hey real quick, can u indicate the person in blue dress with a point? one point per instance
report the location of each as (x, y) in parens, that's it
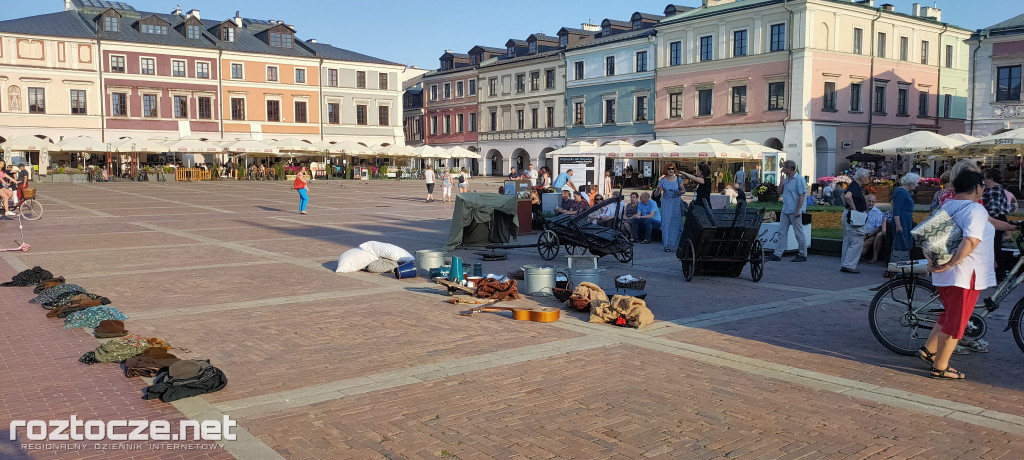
(671, 188)
(903, 212)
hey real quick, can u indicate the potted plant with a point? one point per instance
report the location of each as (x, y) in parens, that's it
(881, 188)
(926, 190)
(767, 193)
(289, 172)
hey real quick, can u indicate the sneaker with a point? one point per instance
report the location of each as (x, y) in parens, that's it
(799, 259)
(773, 258)
(10, 214)
(959, 350)
(977, 346)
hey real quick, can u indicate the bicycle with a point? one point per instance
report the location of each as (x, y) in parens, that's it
(28, 206)
(904, 311)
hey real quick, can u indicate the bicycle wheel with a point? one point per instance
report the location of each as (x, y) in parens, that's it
(1017, 324)
(902, 315)
(31, 209)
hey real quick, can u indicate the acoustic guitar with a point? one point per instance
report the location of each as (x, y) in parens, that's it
(537, 314)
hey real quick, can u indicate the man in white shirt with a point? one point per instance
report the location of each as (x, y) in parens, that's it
(874, 230)
(533, 175)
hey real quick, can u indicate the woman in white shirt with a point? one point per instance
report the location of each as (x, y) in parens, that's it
(961, 279)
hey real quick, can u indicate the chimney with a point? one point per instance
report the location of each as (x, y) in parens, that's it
(866, 2)
(67, 5)
(449, 51)
(915, 9)
(590, 27)
(888, 7)
(931, 12)
(177, 11)
(312, 40)
(237, 19)
(193, 12)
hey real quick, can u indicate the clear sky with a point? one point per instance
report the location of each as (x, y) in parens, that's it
(417, 33)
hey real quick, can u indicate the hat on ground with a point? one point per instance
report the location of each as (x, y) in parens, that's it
(185, 369)
(110, 325)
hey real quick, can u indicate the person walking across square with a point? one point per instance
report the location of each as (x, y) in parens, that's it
(300, 185)
(428, 175)
(794, 203)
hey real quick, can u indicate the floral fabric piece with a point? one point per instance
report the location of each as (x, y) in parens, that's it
(91, 317)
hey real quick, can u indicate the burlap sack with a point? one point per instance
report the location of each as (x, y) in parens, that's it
(588, 291)
(633, 309)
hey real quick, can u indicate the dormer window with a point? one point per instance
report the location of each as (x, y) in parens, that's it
(637, 24)
(533, 47)
(510, 51)
(193, 31)
(279, 40)
(110, 24)
(606, 31)
(563, 41)
(446, 64)
(227, 34)
(474, 59)
(154, 29)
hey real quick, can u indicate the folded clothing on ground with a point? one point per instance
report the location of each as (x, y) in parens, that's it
(91, 317)
(490, 288)
(121, 348)
(149, 363)
(47, 284)
(186, 378)
(29, 277)
(51, 294)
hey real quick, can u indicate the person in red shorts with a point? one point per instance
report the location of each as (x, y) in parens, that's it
(961, 279)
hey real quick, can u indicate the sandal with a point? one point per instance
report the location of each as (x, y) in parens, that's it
(926, 356)
(944, 374)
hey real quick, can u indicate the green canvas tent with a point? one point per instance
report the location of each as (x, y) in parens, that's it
(483, 218)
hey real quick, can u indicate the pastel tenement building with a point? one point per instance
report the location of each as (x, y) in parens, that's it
(818, 79)
(450, 101)
(103, 69)
(997, 55)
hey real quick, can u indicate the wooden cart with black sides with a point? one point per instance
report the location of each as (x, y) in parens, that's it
(720, 242)
(578, 235)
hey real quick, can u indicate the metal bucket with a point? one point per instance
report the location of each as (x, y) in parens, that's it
(406, 270)
(538, 280)
(427, 259)
(582, 275)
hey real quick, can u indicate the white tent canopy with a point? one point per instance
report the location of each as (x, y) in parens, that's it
(130, 145)
(28, 143)
(614, 147)
(754, 150)
(429, 151)
(461, 152)
(394, 150)
(192, 146)
(915, 142)
(654, 149)
(963, 138)
(575, 148)
(294, 145)
(251, 146)
(707, 148)
(79, 144)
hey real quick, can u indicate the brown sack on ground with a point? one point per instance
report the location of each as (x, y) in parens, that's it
(633, 309)
(490, 288)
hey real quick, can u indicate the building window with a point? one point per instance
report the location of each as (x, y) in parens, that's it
(180, 106)
(78, 102)
(609, 111)
(606, 31)
(149, 106)
(577, 70)
(193, 31)
(177, 68)
(739, 43)
(148, 66)
(829, 99)
(902, 102)
(117, 64)
(271, 73)
(550, 117)
(447, 92)
(704, 100)
(637, 24)
(494, 120)
(332, 77)
(300, 75)
(778, 38)
(922, 104)
(433, 92)
(1008, 83)
(549, 79)
(36, 100)
(577, 113)
(855, 97)
(273, 110)
(609, 66)
(858, 41)
(155, 30)
(881, 45)
(520, 83)
(460, 88)
(777, 96)
(205, 106)
(334, 113)
(472, 122)
(118, 103)
(563, 41)
(707, 48)
(534, 118)
(382, 81)
(202, 70)
(227, 34)
(904, 48)
(447, 124)
(384, 115)
(433, 125)
(675, 53)
(947, 105)
(110, 23)
(361, 79)
(641, 61)
(472, 87)
(949, 56)
(510, 51)
(280, 40)
(361, 114)
(739, 99)
(675, 105)
(641, 108)
(301, 114)
(236, 71)
(533, 47)
(520, 119)
(924, 52)
(460, 123)
(880, 100)
(535, 80)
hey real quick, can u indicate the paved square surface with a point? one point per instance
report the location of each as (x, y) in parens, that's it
(325, 365)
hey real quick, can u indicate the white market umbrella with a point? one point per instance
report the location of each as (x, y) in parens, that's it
(575, 148)
(429, 151)
(192, 146)
(293, 145)
(326, 147)
(654, 149)
(462, 152)
(351, 147)
(964, 138)
(28, 143)
(80, 144)
(393, 150)
(909, 144)
(614, 148)
(708, 149)
(245, 146)
(132, 145)
(754, 150)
